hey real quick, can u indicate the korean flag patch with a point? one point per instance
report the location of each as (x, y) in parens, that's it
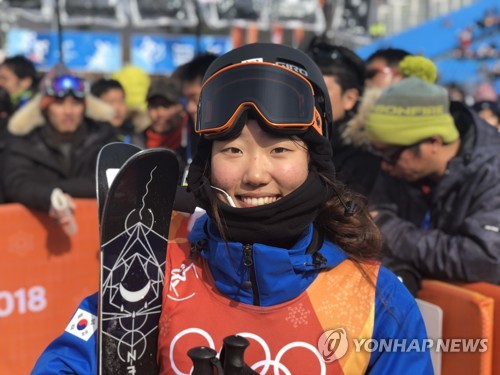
(82, 325)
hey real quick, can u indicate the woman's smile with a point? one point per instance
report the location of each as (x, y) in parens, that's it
(251, 201)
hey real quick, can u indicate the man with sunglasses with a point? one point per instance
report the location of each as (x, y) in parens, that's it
(57, 140)
(437, 201)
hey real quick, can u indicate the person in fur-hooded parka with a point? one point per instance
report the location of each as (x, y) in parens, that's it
(344, 74)
(57, 137)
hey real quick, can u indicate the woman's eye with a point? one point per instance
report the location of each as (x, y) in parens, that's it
(280, 150)
(232, 150)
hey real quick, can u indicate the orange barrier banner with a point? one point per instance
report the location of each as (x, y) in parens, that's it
(44, 274)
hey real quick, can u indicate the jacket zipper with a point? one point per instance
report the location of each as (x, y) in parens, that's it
(248, 262)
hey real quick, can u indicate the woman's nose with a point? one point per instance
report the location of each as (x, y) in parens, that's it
(257, 172)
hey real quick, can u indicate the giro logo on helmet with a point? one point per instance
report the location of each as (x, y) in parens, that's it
(293, 67)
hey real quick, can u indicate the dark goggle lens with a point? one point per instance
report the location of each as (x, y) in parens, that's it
(67, 85)
(283, 98)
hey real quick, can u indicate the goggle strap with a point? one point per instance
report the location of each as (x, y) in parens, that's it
(318, 122)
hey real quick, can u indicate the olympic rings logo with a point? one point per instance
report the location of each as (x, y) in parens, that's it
(262, 366)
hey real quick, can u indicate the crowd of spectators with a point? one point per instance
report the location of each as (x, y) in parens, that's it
(426, 161)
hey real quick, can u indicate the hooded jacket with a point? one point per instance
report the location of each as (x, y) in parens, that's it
(354, 165)
(34, 164)
(282, 275)
(454, 235)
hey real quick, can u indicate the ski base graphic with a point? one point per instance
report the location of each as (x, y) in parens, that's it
(134, 237)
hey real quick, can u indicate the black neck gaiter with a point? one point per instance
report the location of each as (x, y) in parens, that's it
(278, 224)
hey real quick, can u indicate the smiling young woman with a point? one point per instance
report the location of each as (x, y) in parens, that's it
(285, 253)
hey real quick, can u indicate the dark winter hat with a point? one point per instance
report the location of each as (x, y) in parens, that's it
(410, 111)
(164, 87)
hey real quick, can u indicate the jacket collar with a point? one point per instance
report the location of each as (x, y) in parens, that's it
(281, 274)
(30, 116)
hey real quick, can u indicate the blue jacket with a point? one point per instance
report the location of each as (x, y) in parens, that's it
(280, 275)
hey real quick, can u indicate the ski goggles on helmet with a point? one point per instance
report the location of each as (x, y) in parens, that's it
(283, 98)
(65, 85)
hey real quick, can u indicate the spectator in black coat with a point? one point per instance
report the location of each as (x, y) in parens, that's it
(6, 109)
(57, 140)
(344, 74)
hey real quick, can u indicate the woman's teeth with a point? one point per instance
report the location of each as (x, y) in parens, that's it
(259, 201)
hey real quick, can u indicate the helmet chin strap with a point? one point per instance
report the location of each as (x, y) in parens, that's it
(229, 199)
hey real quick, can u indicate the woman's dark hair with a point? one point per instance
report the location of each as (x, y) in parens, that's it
(357, 234)
(103, 85)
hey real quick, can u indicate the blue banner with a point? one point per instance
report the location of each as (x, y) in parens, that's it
(92, 51)
(101, 52)
(82, 50)
(158, 54)
(216, 44)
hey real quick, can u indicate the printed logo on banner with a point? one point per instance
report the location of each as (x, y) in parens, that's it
(34, 45)
(217, 45)
(159, 54)
(92, 51)
(82, 325)
(148, 53)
